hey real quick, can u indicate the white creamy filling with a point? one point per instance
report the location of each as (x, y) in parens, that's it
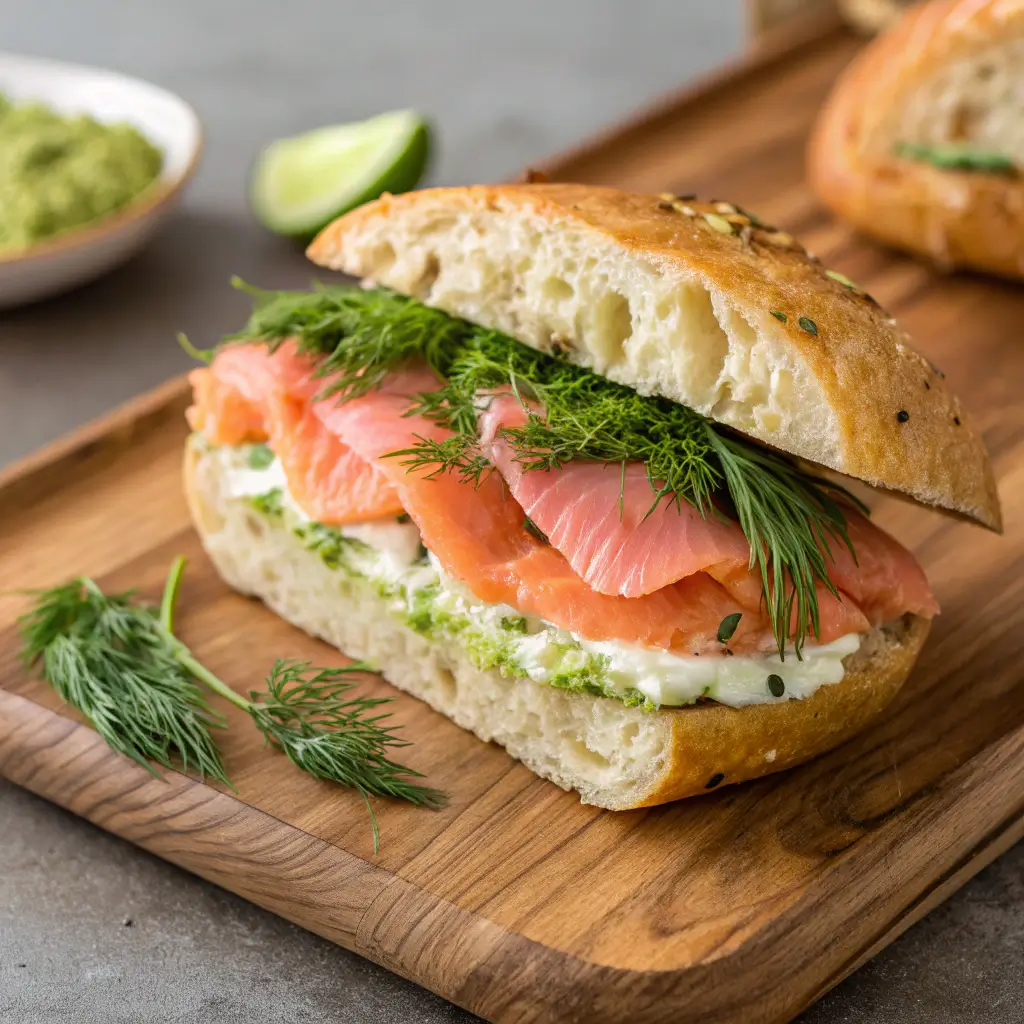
(241, 480)
(393, 556)
(666, 678)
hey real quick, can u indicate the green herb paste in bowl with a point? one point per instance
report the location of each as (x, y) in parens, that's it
(58, 173)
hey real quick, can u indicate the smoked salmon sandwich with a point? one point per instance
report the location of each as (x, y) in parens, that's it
(568, 466)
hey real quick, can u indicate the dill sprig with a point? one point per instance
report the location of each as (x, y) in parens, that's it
(571, 413)
(311, 715)
(108, 657)
(363, 333)
(789, 518)
(119, 662)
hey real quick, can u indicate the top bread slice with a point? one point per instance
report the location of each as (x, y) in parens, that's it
(949, 72)
(693, 301)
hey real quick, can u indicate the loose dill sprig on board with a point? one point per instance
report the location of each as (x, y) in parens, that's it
(119, 663)
(107, 656)
(330, 733)
(789, 518)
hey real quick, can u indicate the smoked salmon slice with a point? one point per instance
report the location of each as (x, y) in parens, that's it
(229, 398)
(665, 582)
(596, 514)
(478, 535)
(331, 483)
(599, 516)
(252, 395)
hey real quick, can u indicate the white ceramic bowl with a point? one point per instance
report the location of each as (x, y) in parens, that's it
(71, 259)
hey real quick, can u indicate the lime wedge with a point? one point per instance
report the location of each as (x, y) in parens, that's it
(300, 184)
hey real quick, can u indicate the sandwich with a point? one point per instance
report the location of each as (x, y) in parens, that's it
(571, 465)
(920, 145)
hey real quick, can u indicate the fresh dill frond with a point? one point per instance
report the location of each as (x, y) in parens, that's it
(120, 663)
(789, 518)
(459, 453)
(363, 333)
(571, 413)
(202, 355)
(108, 657)
(311, 715)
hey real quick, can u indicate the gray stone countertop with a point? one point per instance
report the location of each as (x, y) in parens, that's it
(92, 929)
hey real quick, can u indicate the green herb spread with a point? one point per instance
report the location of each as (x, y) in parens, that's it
(61, 172)
(438, 609)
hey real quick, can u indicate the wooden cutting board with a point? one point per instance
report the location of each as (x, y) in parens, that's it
(517, 902)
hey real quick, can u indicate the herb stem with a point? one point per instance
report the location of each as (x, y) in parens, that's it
(188, 661)
(202, 355)
(182, 654)
(170, 597)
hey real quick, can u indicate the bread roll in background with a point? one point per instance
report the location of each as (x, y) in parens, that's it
(949, 74)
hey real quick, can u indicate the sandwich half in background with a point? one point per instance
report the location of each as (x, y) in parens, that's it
(534, 472)
(921, 143)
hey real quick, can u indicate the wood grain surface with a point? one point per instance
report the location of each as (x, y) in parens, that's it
(516, 901)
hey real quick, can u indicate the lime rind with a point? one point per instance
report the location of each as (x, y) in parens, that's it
(300, 184)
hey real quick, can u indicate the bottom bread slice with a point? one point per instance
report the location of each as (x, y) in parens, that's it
(614, 756)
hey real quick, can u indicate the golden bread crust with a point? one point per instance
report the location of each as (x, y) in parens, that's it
(713, 740)
(897, 424)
